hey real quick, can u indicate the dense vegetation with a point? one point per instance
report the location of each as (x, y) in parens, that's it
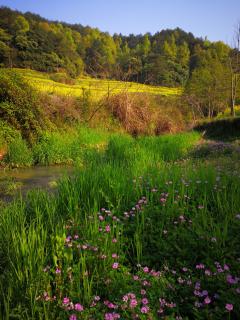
(145, 236)
(32, 122)
(147, 225)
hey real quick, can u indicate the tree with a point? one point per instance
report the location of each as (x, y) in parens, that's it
(206, 91)
(21, 25)
(234, 64)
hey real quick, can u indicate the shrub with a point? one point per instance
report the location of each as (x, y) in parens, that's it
(19, 105)
(133, 111)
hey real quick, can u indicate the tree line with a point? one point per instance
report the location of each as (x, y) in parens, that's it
(209, 71)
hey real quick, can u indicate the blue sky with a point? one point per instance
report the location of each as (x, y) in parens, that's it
(212, 18)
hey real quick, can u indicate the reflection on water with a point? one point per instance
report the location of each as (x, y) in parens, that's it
(15, 181)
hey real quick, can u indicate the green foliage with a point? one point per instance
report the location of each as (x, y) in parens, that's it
(19, 104)
(18, 154)
(125, 228)
(164, 58)
(7, 133)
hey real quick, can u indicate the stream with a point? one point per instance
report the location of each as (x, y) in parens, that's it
(19, 181)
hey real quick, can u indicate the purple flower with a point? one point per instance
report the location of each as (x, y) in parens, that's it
(78, 307)
(229, 307)
(108, 228)
(73, 317)
(66, 300)
(115, 265)
(133, 303)
(145, 309)
(58, 271)
(144, 301)
(207, 300)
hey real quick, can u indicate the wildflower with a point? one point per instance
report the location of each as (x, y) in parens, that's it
(68, 239)
(162, 302)
(229, 307)
(115, 265)
(125, 298)
(114, 240)
(101, 218)
(46, 296)
(146, 269)
(58, 271)
(145, 309)
(78, 307)
(114, 255)
(66, 300)
(133, 303)
(73, 317)
(143, 292)
(144, 301)
(97, 298)
(204, 293)
(111, 316)
(207, 272)
(200, 266)
(207, 300)
(108, 228)
(135, 278)
(231, 280)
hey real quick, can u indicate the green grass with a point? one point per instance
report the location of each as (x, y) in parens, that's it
(98, 88)
(137, 220)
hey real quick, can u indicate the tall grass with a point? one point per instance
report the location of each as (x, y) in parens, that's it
(135, 222)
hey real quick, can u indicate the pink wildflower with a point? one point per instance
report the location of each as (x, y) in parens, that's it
(207, 300)
(145, 309)
(229, 307)
(108, 228)
(66, 300)
(144, 301)
(78, 307)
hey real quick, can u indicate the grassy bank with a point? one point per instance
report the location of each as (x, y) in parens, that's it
(137, 233)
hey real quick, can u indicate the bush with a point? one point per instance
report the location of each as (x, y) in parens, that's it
(19, 105)
(133, 111)
(144, 114)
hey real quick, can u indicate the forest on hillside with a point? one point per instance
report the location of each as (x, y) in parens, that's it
(209, 71)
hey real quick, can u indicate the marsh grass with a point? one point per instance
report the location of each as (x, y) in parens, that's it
(136, 208)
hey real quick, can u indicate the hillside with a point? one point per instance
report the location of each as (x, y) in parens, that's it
(165, 58)
(98, 88)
